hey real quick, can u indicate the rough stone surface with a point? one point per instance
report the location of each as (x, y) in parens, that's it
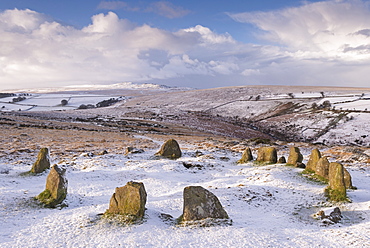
(336, 180)
(347, 179)
(322, 168)
(170, 149)
(313, 160)
(246, 156)
(200, 204)
(56, 188)
(267, 155)
(295, 157)
(43, 161)
(129, 200)
(281, 160)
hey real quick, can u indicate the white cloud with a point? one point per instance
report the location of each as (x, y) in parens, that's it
(316, 30)
(324, 43)
(110, 49)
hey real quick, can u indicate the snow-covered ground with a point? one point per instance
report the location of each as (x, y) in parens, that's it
(271, 206)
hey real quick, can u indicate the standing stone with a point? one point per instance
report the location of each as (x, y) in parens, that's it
(246, 156)
(56, 188)
(337, 188)
(267, 155)
(295, 157)
(129, 201)
(170, 149)
(347, 180)
(313, 160)
(200, 204)
(43, 161)
(322, 168)
(281, 160)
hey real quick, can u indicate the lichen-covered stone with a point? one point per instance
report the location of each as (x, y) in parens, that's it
(347, 179)
(322, 168)
(43, 161)
(246, 156)
(128, 201)
(336, 189)
(313, 160)
(200, 204)
(56, 188)
(295, 157)
(267, 155)
(170, 149)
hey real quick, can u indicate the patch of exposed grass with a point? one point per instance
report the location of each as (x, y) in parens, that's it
(336, 195)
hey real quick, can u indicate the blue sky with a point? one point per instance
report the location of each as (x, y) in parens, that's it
(202, 44)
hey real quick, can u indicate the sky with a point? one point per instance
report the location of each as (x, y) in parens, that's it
(200, 44)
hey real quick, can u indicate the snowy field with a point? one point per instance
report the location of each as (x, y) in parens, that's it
(271, 206)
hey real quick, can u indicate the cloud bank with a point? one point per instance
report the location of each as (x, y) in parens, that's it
(323, 43)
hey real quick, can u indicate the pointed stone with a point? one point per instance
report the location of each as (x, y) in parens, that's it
(313, 160)
(56, 188)
(200, 204)
(129, 201)
(43, 161)
(246, 156)
(267, 155)
(295, 157)
(170, 149)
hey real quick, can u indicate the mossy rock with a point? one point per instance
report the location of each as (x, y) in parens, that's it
(42, 163)
(170, 149)
(128, 202)
(246, 156)
(295, 157)
(56, 188)
(322, 168)
(336, 195)
(337, 188)
(314, 159)
(267, 155)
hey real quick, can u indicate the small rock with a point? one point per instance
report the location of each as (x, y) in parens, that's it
(246, 156)
(43, 161)
(281, 160)
(170, 149)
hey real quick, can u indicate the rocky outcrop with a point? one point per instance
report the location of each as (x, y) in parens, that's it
(267, 155)
(128, 202)
(246, 156)
(56, 188)
(295, 157)
(313, 160)
(43, 161)
(170, 149)
(200, 204)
